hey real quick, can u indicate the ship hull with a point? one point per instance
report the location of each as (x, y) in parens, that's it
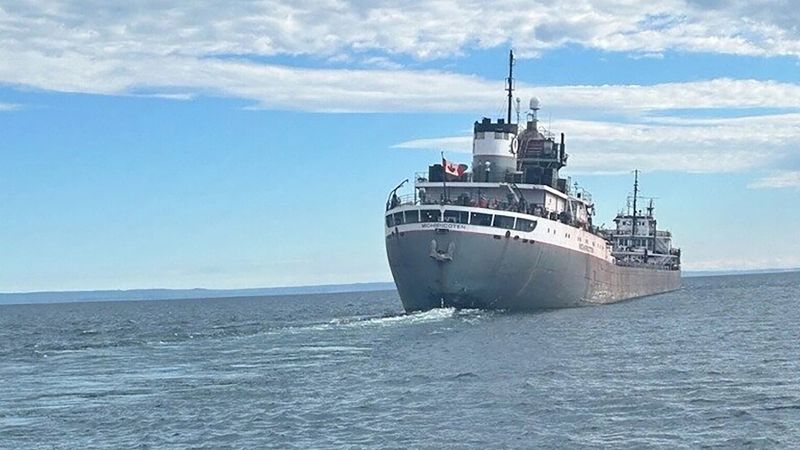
(445, 267)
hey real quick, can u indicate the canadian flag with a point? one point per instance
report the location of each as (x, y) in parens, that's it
(453, 169)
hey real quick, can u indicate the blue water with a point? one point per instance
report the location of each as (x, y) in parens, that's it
(716, 364)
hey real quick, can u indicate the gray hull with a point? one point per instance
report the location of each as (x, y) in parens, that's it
(468, 270)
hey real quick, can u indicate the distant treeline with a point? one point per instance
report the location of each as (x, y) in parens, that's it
(716, 273)
(178, 294)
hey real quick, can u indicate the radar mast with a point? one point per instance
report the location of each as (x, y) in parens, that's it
(510, 87)
(635, 195)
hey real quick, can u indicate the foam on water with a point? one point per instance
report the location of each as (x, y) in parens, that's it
(391, 320)
(434, 315)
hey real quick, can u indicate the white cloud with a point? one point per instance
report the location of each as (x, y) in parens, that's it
(717, 93)
(270, 86)
(422, 29)
(749, 263)
(381, 62)
(172, 96)
(777, 180)
(212, 47)
(282, 87)
(665, 144)
(460, 144)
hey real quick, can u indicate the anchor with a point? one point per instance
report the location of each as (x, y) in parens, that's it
(439, 255)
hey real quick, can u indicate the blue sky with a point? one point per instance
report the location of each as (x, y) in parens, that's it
(242, 145)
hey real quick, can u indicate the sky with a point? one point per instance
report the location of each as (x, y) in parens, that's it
(225, 144)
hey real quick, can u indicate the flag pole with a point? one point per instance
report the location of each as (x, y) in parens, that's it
(444, 178)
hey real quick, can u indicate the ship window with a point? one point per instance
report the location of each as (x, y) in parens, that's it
(456, 216)
(480, 135)
(481, 219)
(498, 135)
(389, 221)
(398, 218)
(525, 225)
(503, 222)
(412, 216)
(430, 215)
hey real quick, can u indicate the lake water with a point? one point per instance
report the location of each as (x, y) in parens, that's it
(716, 364)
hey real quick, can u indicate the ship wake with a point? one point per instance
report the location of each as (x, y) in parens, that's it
(430, 316)
(392, 320)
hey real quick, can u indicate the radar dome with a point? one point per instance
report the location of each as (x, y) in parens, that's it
(534, 103)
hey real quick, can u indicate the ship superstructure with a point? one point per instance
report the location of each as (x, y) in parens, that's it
(512, 234)
(637, 241)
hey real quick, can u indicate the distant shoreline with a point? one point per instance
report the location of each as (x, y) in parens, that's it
(44, 297)
(722, 273)
(182, 294)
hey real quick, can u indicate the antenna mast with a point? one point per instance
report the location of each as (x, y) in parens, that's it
(510, 87)
(635, 194)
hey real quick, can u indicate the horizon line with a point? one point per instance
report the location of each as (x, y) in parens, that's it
(688, 273)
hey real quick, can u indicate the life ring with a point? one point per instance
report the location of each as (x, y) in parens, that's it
(514, 145)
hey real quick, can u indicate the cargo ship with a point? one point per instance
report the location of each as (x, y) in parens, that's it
(509, 233)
